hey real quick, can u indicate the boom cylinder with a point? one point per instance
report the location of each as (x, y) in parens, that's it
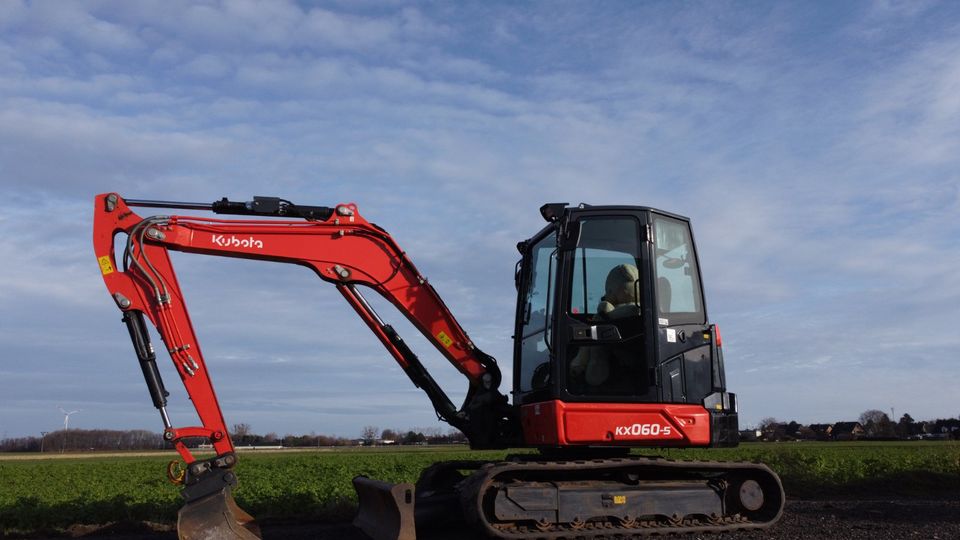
(146, 203)
(259, 206)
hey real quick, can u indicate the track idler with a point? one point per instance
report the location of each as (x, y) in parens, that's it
(210, 513)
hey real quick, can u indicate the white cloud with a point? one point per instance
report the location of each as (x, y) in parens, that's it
(207, 66)
(49, 146)
(12, 13)
(913, 108)
(344, 31)
(75, 25)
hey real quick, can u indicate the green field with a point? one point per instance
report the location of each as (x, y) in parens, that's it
(315, 485)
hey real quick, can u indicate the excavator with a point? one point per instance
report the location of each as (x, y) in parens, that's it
(612, 351)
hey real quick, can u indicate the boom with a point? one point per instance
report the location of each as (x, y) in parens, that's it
(339, 245)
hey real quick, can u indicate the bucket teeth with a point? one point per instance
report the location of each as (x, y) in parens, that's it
(385, 510)
(216, 517)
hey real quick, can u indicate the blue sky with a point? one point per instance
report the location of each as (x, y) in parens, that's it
(814, 145)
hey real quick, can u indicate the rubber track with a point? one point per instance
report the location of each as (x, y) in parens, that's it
(486, 477)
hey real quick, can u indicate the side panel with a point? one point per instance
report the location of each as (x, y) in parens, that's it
(556, 423)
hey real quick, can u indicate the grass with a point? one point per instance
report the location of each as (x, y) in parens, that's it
(39, 494)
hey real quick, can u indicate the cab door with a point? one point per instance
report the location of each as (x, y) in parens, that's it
(685, 367)
(533, 334)
(604, 354)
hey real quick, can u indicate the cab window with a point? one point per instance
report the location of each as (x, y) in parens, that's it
(537, 315)
(679, 297)
(605, 266)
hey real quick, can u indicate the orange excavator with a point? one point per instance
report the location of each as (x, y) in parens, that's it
(612, 351)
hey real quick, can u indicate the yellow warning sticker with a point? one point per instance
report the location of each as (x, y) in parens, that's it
(445, 339)
(105, 265)
(619, 499)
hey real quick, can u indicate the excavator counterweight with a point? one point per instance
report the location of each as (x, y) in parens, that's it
(612, 347)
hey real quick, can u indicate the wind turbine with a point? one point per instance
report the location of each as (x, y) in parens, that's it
(66, 425)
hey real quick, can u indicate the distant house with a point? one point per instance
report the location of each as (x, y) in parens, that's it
(846, 431)
(821, 432)
(750, 435)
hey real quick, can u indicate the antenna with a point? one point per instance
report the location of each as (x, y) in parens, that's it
(66, 425)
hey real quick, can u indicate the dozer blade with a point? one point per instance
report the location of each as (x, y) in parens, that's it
(216, 517)
(386, 510)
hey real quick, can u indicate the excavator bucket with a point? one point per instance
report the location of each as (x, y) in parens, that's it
(216, 517)
(386, 510)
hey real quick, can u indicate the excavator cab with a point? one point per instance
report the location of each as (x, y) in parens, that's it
(612, 342)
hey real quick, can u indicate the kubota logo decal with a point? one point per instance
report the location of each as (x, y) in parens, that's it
(646, 430)
(233, 241)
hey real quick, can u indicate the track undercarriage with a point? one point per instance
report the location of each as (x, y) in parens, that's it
(527, 498)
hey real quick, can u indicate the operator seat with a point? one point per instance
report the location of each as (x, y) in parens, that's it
(595, 364)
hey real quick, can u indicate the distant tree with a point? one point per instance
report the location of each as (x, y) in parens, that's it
(792, 428)
(20, 444)
(414, 438)
(767, 423)
(291, 441)
(871, 416)
(369, 434)
(240, 433)
(389, 435)
(877, 424)
(455, 436)
(906, 427)
(886, 428)
(430, 432)
(86, 439)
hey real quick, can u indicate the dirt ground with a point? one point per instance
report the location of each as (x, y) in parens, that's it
(849, 520)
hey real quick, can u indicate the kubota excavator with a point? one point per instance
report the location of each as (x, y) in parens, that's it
(612, 350)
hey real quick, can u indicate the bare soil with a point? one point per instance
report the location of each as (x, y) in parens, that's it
(802, 520)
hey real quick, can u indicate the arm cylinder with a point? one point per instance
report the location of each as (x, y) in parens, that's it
(148, 359)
